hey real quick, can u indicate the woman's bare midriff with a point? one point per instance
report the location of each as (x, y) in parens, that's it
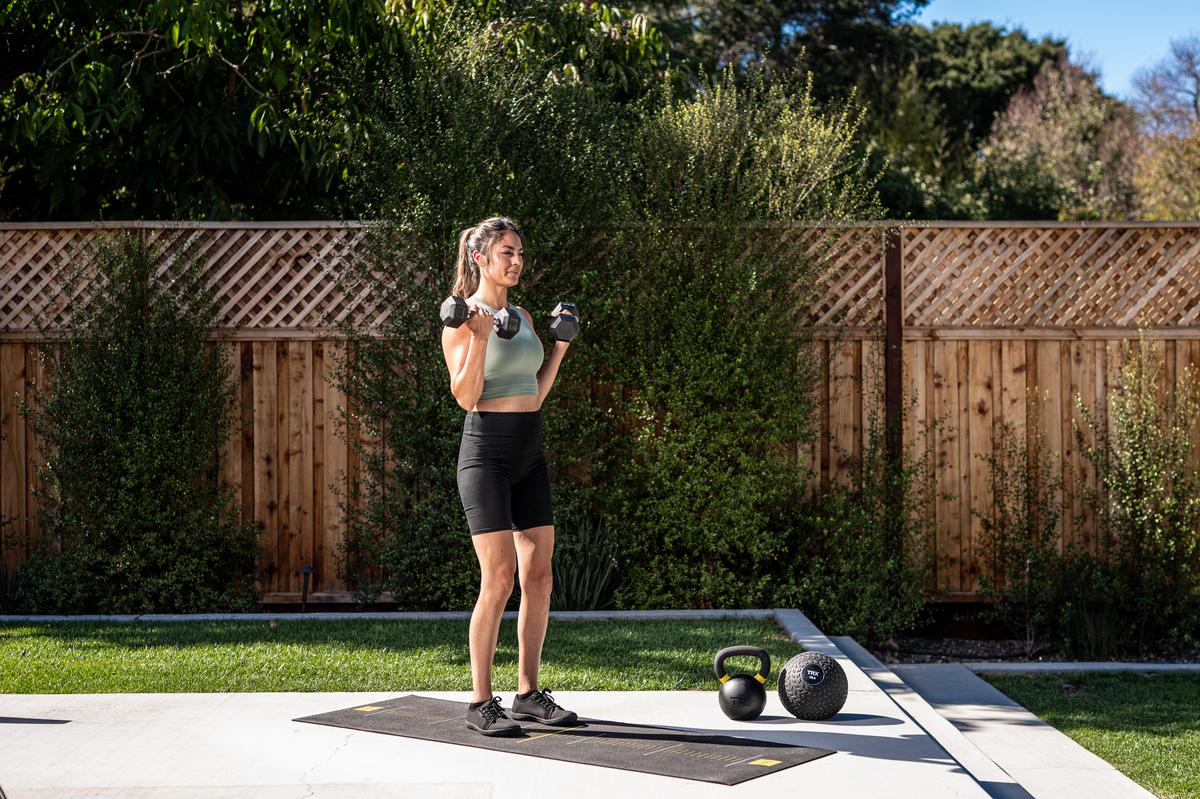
(524, 402)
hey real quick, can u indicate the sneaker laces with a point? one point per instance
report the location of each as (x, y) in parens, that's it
(491, 710)
(543, 699)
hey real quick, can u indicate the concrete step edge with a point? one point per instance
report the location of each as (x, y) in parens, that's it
(990, 776)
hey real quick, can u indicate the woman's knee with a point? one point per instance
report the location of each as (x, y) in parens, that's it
(498, 586)
(537, 581)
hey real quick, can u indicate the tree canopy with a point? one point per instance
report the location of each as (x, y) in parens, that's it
(216, 110)
(211, 110)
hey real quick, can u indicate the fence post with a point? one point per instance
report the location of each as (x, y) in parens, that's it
(893, 354)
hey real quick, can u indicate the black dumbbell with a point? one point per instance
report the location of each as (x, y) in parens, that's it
(507, 321)
(566, 322)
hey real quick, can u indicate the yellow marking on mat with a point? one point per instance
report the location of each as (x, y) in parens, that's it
(581, 738)
(672, 746)
(544, 735)
(764, 761)
(399, 711)
(704, 755)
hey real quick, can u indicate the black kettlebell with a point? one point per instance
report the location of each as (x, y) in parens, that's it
(742, 697)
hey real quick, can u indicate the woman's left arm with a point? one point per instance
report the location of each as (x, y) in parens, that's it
(549, 370)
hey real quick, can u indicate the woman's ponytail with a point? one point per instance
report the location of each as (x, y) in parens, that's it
(466, 272)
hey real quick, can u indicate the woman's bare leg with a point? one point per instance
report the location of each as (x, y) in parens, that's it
(534, 548)
(497, 563)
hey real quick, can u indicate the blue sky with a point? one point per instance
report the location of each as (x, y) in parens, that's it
(1116, 38)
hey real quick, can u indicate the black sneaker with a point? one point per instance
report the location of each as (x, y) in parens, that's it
(488, 718)
(539, 707)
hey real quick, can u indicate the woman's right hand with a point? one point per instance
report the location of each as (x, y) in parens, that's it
(480, 321)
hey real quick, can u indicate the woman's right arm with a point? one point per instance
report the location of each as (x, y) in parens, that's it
(465, 347)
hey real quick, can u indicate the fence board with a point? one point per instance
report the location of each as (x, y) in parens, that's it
(38, 451)
(808, 453)
(231, 466)
(333, 475)
(961, 541)
(1091, 389)
(946, 402)
(845, 408)
(982, 358)
(1191, 354)
(917, 383)
(1049, 386)
(266, 474)
(14, 502)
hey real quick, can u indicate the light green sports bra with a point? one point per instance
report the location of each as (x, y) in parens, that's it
(510, 366)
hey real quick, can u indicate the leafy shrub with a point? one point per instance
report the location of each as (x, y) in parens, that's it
(672, 419)
(859, 554)
(425, 171)
(9, 587)
(708, 341)
(1141, 590)
(1149, 499)
(132, 516)
(1087, 612)
(585, 567)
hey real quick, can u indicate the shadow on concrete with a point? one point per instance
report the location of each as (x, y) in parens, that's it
(841, 719)
(911, 748)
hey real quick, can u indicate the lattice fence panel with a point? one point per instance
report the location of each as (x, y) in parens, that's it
(266, 278)
(848, 262)
(850, 289)
(280, 277)
(993, 276)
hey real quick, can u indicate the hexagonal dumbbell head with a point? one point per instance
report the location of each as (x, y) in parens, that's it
(507, 321)
(454, 311)
(565, 326)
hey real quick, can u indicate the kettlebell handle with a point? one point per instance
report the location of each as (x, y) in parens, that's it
(764, 661)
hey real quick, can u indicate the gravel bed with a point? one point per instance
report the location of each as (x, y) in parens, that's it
(952, 650)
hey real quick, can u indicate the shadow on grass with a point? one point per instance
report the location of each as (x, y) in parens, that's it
(677, 652)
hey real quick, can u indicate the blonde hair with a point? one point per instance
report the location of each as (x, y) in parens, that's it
(481, 237)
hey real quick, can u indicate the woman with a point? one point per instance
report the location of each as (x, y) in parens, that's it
(502, 475)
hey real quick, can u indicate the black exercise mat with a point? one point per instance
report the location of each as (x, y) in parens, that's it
(725, 759)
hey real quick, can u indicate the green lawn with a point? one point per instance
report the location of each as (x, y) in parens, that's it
(1146, 725)
(368, 655)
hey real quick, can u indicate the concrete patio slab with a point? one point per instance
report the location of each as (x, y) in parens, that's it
(71, 746)
(1043, 760)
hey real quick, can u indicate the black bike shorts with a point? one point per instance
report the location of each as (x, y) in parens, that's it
(502, 476)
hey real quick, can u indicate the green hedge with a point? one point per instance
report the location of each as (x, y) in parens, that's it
(132, 515)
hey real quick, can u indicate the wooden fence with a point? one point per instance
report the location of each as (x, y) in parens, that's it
(958, 318)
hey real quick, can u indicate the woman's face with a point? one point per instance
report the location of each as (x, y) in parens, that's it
(503, 264)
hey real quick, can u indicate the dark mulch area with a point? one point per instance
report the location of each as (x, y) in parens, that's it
(950, 650)
(954, 632)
